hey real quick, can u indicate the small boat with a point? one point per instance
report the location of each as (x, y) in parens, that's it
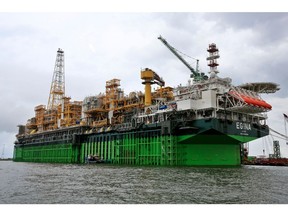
(93, 159)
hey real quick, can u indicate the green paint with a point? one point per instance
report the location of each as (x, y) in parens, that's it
(243, 139)
(208, 147)
(209, 155)
(158, 150)
(54, 153)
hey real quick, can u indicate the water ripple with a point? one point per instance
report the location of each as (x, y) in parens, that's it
(29, 183)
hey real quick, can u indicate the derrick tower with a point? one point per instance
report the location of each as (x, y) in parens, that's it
(212, 58)
(57, 90)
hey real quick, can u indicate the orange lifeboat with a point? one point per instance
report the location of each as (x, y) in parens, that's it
(255, 102)
(251, 101)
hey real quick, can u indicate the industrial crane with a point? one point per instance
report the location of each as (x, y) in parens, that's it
(195, 73)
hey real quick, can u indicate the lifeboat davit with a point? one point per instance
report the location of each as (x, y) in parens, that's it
(252, 101)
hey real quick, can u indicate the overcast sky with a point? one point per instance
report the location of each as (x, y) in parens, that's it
(102, 46)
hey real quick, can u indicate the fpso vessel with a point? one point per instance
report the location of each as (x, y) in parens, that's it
(203, 123)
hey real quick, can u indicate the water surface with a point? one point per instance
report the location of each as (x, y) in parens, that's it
(39, 183)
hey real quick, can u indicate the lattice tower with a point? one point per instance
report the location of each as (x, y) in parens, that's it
(212, 58)
(57, 90)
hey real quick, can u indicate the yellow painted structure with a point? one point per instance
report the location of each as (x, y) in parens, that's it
(148, 76)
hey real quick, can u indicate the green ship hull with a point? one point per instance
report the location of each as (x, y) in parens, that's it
(209, 142)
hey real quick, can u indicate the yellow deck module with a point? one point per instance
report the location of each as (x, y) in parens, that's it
(150, 77)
